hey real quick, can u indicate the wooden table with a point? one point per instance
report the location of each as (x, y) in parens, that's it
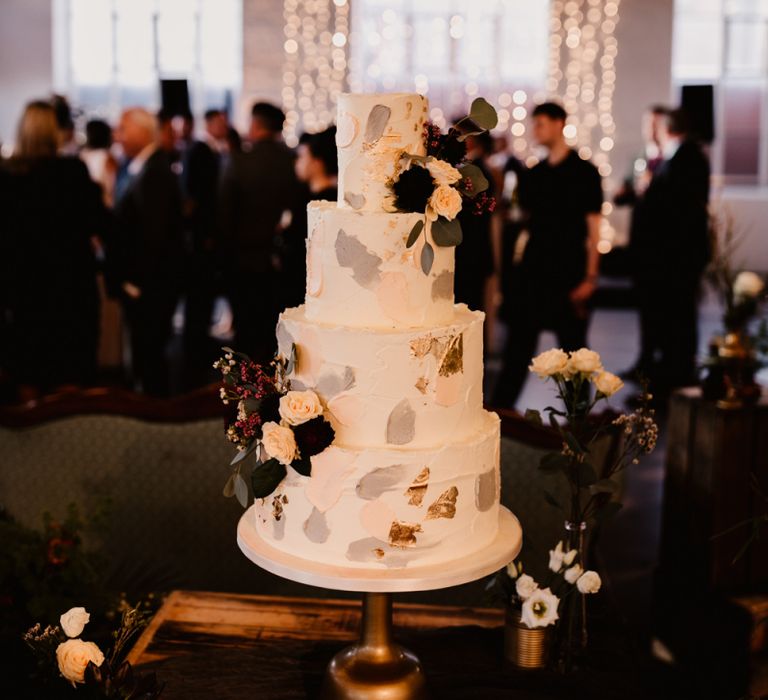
(225, 646)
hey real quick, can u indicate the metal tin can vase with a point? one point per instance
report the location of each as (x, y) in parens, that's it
(525, 647)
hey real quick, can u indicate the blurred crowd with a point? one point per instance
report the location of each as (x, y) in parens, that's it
(111, 235)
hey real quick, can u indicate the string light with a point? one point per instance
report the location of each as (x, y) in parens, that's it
(314, 64)
(582, 55)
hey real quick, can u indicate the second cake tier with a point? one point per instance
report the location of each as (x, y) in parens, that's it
(360, 272)
(413, 388)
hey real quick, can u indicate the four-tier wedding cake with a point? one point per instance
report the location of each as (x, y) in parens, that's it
(412, 476)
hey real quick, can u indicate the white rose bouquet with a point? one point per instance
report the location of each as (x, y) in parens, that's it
(281, 427)
(69, 659)
(440, 184)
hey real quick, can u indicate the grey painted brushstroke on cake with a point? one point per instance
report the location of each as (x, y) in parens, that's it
(355, 200)
(379, 481)
(353, 254)
(401, 424)
(329, 385)
(278, 528)
(442, 286)
(364, 552)
(377, 122)
(485, 491)
(316, 527)
(284, 340)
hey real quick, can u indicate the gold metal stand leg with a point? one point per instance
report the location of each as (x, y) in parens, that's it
(376, 668)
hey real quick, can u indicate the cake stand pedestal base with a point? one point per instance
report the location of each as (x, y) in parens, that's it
(376, 668)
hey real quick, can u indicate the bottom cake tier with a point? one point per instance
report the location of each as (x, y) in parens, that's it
(388, 507)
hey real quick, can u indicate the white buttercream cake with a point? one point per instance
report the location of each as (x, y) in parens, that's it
(412, 477)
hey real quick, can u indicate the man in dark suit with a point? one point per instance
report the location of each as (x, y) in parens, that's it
(670, 249)
(202, 162)
(257, 187)
(147, 246)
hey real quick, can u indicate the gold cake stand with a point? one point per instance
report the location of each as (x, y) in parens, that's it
(376, 668)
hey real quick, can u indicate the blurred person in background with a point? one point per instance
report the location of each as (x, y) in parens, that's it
(48, 294)
(98, 158)
(258, 187)
(317, 169)
(670, 249)
(148, 246)
(562, 198)
(68, 145)
(202, 164)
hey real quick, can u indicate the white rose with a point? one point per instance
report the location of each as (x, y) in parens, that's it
(572, 574)
(278, 442)
(556, 557)
(445, 201)
(297, 407)
(512, 570)
(607, 383)
(585, 361)
(73, 621)
(589, 582)
(443, 173)
(73, 657)
(526, 586)
(748, 285)
(540, 609)
(549, 363)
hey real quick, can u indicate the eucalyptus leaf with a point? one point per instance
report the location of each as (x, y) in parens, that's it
(241, 490)
(549, 498)
(242, 454)
(483, 114)
(533, 416)
(573, 443)
(266, 477)
(446, 233)
(554, 462)
(229, 487)
(476, 177)
(603, 486)
(413, 236)
(586, 473)
(427, 258)
(607, 511)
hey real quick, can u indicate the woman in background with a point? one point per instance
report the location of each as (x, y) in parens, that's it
(51, 208)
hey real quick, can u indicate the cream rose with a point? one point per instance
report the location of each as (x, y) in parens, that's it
(73, 657)
(549, 363)
(526, 586)
(540, 610)
(297, 407)
(607, 383)
(73, 621)
(585, 361)
(572, 574)
(443, 173)
(445, 201)
(589, 582)
(556, 557)
(748, 285)
(569, 556)
(278, 442)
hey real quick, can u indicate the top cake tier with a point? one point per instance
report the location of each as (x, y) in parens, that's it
(371, 133)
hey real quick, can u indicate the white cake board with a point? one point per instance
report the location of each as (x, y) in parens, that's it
(499, 553)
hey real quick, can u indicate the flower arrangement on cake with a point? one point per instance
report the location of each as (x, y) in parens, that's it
(64, 658)
(284, 428)
(439, 184)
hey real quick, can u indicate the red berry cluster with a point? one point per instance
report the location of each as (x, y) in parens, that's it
(248, 428)
(483, 204)
(254, 383)
(433, 138)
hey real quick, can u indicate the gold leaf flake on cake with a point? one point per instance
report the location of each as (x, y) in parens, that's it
(444, 506)
(417, 490)
(403, 534)
(452, 360)
(379, 552)
(421, 384)
(421, 347)
(277, 506)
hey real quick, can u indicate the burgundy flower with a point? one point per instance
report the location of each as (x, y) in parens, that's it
(413, 189)
(313, 436)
